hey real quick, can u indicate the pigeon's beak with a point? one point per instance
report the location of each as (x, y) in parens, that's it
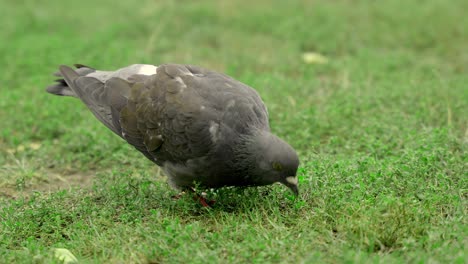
(291, 182)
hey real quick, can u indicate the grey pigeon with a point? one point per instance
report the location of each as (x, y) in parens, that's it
(200, 126)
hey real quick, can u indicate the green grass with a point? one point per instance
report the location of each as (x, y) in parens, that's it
(381, 130)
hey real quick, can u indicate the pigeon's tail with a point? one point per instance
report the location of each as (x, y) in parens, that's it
(105, 99)
(61, 87)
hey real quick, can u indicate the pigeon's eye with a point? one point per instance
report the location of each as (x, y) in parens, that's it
(277, 166)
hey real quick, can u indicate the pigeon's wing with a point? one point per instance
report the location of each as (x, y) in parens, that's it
(175, 115)
(240, 105)
(188, 107)
(179, 113)
(167, 116)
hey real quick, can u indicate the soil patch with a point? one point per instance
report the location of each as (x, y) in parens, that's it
(54, 183)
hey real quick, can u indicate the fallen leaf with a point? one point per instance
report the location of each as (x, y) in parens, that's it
(65, 256)
(314, 58)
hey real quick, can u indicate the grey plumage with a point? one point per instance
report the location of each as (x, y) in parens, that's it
(200, 126)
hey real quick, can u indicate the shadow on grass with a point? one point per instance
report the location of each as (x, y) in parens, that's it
(148, 193)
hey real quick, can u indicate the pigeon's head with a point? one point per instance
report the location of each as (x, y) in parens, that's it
(272, 160)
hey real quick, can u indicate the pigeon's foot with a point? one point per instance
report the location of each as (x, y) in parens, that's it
(201, 198)
(203, 201)
(177, 196)
(196, 197)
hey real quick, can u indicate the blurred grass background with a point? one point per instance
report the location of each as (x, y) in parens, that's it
(380, 127)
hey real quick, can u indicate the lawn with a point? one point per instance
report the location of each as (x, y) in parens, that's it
(379, 123)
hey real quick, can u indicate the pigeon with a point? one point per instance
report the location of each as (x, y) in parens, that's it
(203, 128)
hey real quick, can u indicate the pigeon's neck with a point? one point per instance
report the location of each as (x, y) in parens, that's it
(249, 151)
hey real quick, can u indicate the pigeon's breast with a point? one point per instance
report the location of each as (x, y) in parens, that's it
(195, 171)
(209, 171)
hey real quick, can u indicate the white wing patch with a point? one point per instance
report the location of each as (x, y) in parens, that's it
(125, 73)
(146, 69)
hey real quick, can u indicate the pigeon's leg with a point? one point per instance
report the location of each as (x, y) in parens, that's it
(196, 197)
(201, 198)
(177, 196)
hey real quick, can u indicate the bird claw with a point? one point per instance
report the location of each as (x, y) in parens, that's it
(177, 196)
(197, 197)
(203, 201)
